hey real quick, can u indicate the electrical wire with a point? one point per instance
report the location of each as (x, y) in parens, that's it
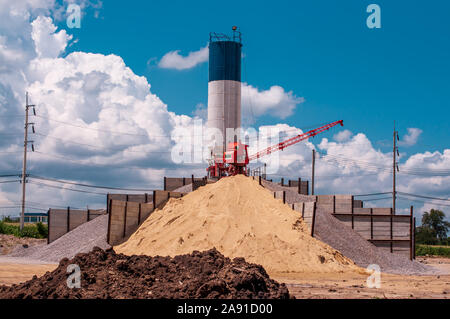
(9, 182)
(67, 189)
(425, 197)
(375, 199)
(88, 185)
(373, 194)
(421, 201)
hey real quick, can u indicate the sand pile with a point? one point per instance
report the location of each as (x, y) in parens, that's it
(240, 219)
(106, 274)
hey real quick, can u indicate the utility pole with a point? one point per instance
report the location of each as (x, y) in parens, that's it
(24, 166)
(394, 169)
(313, 168)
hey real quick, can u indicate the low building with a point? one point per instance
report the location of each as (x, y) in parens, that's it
(36, 218)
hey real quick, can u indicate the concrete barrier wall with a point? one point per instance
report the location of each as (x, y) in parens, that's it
(126, 217)
(61, 221)
(378, 225)
(172, 183)
(307, 211)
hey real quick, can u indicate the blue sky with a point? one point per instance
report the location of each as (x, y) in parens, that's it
(322, 51)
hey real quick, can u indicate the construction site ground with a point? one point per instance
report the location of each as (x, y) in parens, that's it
(302, 286)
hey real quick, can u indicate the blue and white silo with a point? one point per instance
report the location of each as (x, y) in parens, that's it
(224, 86)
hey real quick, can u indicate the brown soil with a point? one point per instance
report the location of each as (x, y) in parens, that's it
(9, 242)
(105, 274)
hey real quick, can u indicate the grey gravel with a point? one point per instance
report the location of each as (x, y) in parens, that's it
(351, 244)
(80, 240)
(184, 189)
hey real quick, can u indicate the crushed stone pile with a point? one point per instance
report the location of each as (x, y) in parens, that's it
(241, 219)
(105, 274)
(352, 245)
(80, 240)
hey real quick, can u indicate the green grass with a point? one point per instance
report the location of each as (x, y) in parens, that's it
(38, 230)
(422, 250)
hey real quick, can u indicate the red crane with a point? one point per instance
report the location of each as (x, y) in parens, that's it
(235, 159)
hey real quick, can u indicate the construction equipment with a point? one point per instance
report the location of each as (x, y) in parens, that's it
(235, 159)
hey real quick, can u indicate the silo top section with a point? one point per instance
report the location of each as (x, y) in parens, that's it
(224, 60)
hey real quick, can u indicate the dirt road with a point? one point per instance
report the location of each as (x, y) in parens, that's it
(15, 270)
(353, 286)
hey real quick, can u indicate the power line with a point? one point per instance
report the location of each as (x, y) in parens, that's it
(373, 194)
(91, 128)
(375, 199)
(67, 189)
(425, 197)
(10, 175)
(88, 185)
(19, 206)
(8, 182)
(51, 205)
(422, 201)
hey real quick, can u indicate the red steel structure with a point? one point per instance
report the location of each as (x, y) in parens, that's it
(236, 159)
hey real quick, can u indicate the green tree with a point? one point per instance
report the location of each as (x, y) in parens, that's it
(434, 220)
(425, 235)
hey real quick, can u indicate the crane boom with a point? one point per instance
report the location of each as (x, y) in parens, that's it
(293, 140)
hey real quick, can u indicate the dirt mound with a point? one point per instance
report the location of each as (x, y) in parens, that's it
(105, 274)
(241, 219)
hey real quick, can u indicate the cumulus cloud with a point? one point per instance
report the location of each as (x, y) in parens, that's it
(173, 59)
(411, 138)
(97, 122)
(48, 43)
(275, 102)
(342, 136)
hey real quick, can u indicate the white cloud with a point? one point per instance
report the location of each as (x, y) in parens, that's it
(173, 59)
(201, 111)
(49, 44)
(342, 136)
(275, 102)
(411, 138)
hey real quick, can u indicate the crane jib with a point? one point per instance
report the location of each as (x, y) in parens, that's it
(294, 140)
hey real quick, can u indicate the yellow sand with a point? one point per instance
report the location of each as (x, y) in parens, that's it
(240, 219)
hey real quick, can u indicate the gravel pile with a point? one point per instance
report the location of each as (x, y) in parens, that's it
(80, 240)
(184, 189)
(352, 245)
(105, 274)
